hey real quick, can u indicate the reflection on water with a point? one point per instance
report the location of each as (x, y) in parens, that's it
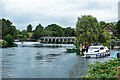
(36, 60)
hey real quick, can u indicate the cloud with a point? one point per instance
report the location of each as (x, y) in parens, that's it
(62, 12)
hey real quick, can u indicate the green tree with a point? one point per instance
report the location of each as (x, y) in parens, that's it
(118, 27)
(7, 28)
(0, 29)
(29, 28)
(69, 31)
(106, 34)
(24, 34)
(39, 32)
(9, 39)
(113, 25)
(103, 24)
(87, 29)
(55, 30)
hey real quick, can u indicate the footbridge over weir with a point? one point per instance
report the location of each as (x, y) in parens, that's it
(61, 40)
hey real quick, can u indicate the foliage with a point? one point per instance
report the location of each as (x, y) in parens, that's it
(30, 34)
(118, 27)
(29, 28)
(7, 28)
(113, 25)
(87, 29)
(106, 34)
(106, 44)
(108, 69)
(39, 32)
(103, 24)
(9, 39)
(69, 32)
(55, 30)
(24, 34)
(0, 29)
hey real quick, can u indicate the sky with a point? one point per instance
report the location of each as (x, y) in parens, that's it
(61, 12)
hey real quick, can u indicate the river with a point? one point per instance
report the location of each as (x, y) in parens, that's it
(36, 60)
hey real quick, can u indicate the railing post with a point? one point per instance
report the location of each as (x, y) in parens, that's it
(118, 72)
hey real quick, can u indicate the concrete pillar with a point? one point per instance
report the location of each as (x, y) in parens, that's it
(70, 40)
(118, 72)
(44, 40)
(66, 41)
(55, 40)
(48, 40)
(59, 40)
(63, 40)
(51, 40)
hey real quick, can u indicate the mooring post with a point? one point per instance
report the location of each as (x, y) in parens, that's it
(118, 72)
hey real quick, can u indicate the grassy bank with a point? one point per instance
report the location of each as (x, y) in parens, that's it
(108, 69)
(5, 44)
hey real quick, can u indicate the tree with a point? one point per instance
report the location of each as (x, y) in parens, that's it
(55, 30)
(69, 32)
(39, 32)
(87, 29)
(24, 34)
(118, 27)
(29, 28)
(9, 39)
(106, 34)
(7, 28)
(0, 29)
(113, 25)
(103, 24)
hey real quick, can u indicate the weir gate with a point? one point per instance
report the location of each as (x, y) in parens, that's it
(60, 40)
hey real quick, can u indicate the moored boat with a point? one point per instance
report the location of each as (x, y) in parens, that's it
(96, 51)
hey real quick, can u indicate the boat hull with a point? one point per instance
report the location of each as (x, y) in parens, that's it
(96, 55)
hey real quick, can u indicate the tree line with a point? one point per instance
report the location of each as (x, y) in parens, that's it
(88, 29)
(8, 29)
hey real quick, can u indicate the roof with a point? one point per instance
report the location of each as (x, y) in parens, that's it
(113, 30)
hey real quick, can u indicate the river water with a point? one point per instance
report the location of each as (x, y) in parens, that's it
(36, 60)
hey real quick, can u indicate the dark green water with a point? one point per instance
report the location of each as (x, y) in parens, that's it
(35, 60)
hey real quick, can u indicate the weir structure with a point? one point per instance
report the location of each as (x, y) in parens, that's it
(59, 40)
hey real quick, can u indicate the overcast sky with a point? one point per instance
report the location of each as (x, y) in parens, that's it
(61, 12)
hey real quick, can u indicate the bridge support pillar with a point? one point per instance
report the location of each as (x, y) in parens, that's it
(44, 40)
(51, 40)
(55, 40)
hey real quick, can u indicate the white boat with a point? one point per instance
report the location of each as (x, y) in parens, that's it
(96, 51)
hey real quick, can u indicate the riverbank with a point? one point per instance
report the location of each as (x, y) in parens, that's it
(108, 69)
(5, 44)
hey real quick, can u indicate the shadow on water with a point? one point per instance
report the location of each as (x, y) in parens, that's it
(41, 45)
(46, 57)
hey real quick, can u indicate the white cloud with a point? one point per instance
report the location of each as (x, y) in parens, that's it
(63, 12)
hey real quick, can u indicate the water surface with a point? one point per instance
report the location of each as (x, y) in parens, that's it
(35, 60)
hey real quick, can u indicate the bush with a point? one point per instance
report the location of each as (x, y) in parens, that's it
(9, 39)
(106, 44)
(108, 69)
(112, 37)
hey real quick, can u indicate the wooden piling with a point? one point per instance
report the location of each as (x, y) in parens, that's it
(118, 72)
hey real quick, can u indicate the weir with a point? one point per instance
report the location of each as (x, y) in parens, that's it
(60, 40)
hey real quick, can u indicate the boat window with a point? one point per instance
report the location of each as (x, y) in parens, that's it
(101, 48)
(94, 47)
